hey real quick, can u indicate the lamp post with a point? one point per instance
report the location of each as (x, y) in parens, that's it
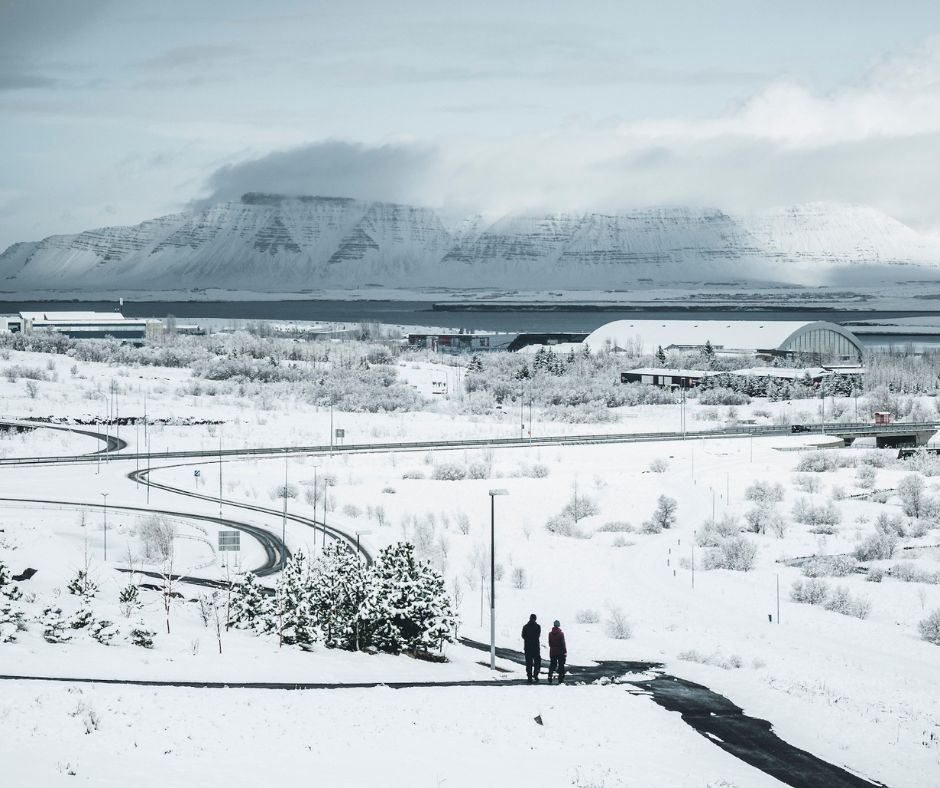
(105, 496)
(284, 519)
(493, 494)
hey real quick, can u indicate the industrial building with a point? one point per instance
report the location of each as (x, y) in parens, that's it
(819, 340)
(690, 378)
(78, 325)
(482, 343)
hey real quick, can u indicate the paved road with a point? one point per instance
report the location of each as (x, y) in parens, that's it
(744, 431)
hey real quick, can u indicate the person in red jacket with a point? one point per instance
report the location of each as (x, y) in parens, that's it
(557, 653)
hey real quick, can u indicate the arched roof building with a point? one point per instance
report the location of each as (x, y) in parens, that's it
(819, 339)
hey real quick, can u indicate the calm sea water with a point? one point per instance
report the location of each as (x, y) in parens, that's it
(420, 313)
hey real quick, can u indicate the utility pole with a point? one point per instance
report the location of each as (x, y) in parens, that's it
(220, 470)
(284, 520)
(105, 496)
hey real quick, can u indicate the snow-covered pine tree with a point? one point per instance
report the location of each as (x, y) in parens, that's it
(54, 625)
(82, 618)
(82, 585)
(103, 631)
(406, 603)
(475, 364)
(11, 617)
(249, 607)
(141, 636)
(129, 600)
(337, 589)
(291, 612)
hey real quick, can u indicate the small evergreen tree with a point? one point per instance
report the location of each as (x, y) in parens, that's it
(295, 623)
(81, 619)
(249, 608)
(129, 600)
(54, 625)
(661, 356)
(337, 591)
(406, 603)
(141, 636)
(475, 364)
(11, 617)
(103, 631)
(82, 585)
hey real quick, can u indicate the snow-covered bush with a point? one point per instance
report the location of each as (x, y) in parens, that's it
(806, 483)
(139, 635)
(12, 619)
(890, 524)
(664, 515)
(103, 631)
(448, 471)
(519, 579)
(765, 519)
(722, 396)
(659, 465)
(249, 606)
(82, 585)
(830, 566)
(713, 532)
(764, 493)
(562, 525)
(840, 600)
(157, 534)
(587, 616)
(929, 627)
(817, 462)
(875, 574)
(129, 600)
(736, 553)
(877, 547)
(718, 660)
(616, 527)
(865, 477)
(54, 625)
(825, 516)
(414, 474)
(908, 572)
(617, 625)
(579, 506)
(809, 592)
(915, 502)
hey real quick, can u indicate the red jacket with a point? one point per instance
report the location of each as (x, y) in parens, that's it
(556, 643)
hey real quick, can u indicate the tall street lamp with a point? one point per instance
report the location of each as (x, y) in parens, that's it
(493, 494)
(105, 496)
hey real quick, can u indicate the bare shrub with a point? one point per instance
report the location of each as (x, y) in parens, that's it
(616, 527)
(463, 523)
(659, 465)
(587, 616)
(713, 532)
(764, 519)
(562, 525)
(731, 662)
(806, 483)
(929, 627)
(415, 474)
(617, 626)
(841, 601)
(157, 534)
(830, 566)
(809, 592)
(764, 492)
(448, 472)
(735, 553)
(877, 547)
(817, 462)
(865, 477)
(351, 510)
(519, 579)
(664, 515)
(911, 491)
(826, 514)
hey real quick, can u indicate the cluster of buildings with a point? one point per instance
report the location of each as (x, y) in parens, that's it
(88, 325)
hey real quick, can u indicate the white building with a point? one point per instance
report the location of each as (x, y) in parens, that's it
(79, 325)
(774, 338)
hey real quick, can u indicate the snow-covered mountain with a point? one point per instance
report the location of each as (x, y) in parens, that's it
(273, 243)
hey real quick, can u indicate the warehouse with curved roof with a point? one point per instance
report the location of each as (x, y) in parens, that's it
(819, 339)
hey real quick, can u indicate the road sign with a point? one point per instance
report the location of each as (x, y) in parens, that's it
(340, 433)
(197, 473)
(229, 541)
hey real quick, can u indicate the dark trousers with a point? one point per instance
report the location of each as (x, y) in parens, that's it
(533, 664)
(557, 663)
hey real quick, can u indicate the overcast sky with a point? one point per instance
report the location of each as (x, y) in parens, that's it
(116, 112)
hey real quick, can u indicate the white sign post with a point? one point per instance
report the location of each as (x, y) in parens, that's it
(230, 542)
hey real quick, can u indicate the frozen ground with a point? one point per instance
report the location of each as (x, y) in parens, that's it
(863, 693)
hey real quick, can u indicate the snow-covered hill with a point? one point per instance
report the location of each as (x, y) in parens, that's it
(268, 243)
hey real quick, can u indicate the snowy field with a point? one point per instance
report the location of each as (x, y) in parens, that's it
(854, 685)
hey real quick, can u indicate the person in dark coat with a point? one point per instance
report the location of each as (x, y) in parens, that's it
(557, 653)
(531, 633)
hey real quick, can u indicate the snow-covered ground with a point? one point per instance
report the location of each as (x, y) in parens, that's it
(860, 693)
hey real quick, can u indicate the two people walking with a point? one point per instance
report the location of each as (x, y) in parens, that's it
(557, 651)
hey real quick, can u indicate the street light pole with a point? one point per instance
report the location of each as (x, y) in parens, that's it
(284, 519)
(105, 496)
(493, 494)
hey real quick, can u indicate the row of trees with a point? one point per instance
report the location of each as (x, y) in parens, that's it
(398, 604)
